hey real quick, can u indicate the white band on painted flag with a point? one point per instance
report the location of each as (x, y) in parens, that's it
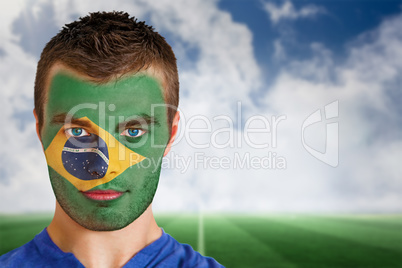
(88, 150)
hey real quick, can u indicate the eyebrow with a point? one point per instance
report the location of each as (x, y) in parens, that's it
(138, 122)
(60, 119)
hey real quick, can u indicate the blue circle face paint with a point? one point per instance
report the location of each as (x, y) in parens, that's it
(86, 157)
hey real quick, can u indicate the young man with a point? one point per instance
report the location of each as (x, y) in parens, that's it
(106, 93)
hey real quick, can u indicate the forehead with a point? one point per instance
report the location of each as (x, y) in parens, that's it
(131, 93)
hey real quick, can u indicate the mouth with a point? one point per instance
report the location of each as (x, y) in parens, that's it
(102, 195)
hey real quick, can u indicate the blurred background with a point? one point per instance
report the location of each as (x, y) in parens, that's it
(265, 58)
(273, 61)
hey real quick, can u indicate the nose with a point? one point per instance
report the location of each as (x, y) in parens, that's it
(96, 166)
(97, 163)
(114, 166)
(86, 158)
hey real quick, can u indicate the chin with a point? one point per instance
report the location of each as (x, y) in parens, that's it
(104, 219)
(102, 216)
(101, 227)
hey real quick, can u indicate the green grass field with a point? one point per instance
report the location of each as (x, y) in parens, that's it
(264, 240)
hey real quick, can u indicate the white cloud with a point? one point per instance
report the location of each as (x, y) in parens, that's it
(279, 50)
(288, 11)
(366, 177)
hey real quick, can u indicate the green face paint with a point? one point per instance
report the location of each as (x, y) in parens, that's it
(107, 138)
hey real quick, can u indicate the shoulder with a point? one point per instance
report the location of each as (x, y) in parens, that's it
(167, 252)
(185, 256)
(20, 257)
(39, 252)
(188, 257)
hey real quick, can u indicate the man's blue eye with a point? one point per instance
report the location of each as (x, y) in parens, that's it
(77, 132)
(133, 132)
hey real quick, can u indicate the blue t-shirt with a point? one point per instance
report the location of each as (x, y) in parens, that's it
(164, 252)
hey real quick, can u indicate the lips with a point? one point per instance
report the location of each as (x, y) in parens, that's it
(103, 194)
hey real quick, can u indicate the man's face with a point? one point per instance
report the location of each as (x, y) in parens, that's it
(104, 145)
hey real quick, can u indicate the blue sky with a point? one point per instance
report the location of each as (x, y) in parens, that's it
(339, 25)
(341, 22)
(273, 59)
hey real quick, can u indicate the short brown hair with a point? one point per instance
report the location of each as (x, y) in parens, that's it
(104, 45)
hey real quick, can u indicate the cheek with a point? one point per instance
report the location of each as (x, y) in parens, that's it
(141, 173)
(66, 194)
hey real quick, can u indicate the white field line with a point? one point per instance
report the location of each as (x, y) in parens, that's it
(201, 245)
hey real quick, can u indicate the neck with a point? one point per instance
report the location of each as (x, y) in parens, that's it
(103, 249)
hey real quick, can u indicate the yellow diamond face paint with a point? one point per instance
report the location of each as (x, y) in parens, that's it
(89, 164)
(104, 145)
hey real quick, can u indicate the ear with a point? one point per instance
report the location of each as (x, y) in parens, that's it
(175, 126)
(37, 125)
